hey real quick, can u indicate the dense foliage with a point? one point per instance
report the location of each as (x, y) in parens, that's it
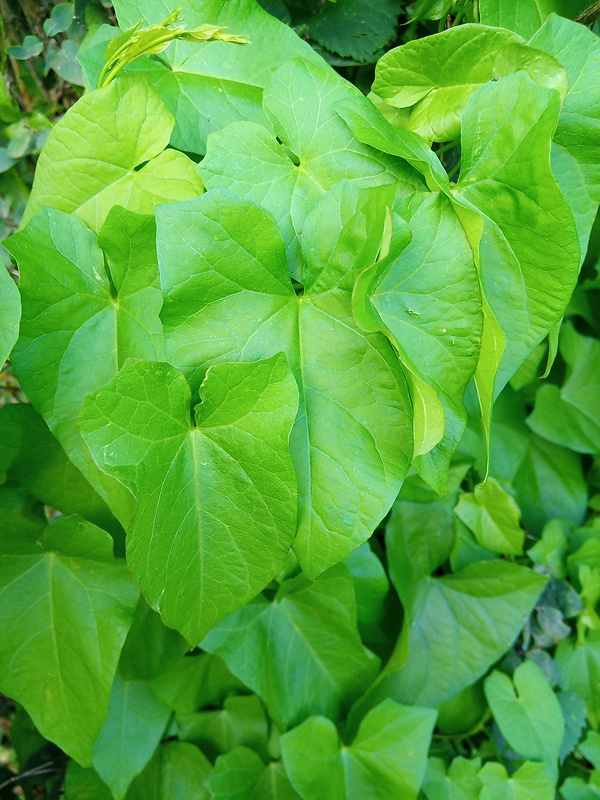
(287, 511)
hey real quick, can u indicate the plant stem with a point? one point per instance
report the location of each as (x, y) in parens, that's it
(590, 15)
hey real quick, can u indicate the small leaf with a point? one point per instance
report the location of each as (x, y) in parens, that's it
(30, 48)
(59, 20)
(492, 515)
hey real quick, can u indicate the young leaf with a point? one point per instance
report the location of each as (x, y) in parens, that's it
(387, 757)
(492, 515)
(460, 782)
(352, 441)
(133, 728)
(529, 782)
(109, 149)
(529, 715)
(207, 86)
(439, 74)
(242, 775)
(67, 605)
(216, 501)
(75, 332)
(315, 152)
(312, 624)
(10, 314)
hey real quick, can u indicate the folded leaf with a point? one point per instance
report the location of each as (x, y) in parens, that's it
(207, 86)
(492, 515)
(222, 258)
(310, 151)
(67, 605)
(301, 653)
(109, 149)
(216, 500)
(387, 757)
(81, 320)
(439, 74)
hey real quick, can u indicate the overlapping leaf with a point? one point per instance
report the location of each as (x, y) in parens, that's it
(387, 757)
(312, 150)
(109, 149)
(207, 86)
(241, 774)
(437, 76)
(67, 605)
(351, 444)
(301, 653)
(10, 313)
(82, 319)
(217, 500)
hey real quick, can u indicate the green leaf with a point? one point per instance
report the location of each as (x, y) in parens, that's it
(39, 463)
(525, 17)
(83, 783)
(528, 714)
(492, 515)
(241, 721)
(591, 748)
(195, 682)
(67, 606)
(109, 149)
(59, 20)
(207, 86)
(243, 775)
(527, 240)
(576, 154)
(551, 550)
(177, 770)
(351, 444)
(460, 782)
(371, 587)
(10, 314)
(310, 150)
(575, 713)
(569, 415)
(30, 48)
(479, 611)
(580, 671)
(81, 321)
(151, 649)
(438, 75)
(387, 757)
(578, 789)
(301, 653)
(63, 60)
(133, 728)
(529, 782)
(350, 28)
(225, 521)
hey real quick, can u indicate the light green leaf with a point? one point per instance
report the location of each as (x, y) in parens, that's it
(67, 605)
(243, 775)
(109, 149)
(81, 322)
(177, 770)
(310, 150)
(38, 462)
(10, 314)
(352, 441)
(387, 757)
(578, 789)
(580, 671)
(525, 17)
(438, 75)
(301, 653)
(207, 86)
(241, 722)
(528, 714)
(479, 611)
(529, 782)
(492, 515)
(460, 782)
(569, 415)
(225, 520)
(352, 29)
(133, 728)
(528, 253)
(576, 154)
